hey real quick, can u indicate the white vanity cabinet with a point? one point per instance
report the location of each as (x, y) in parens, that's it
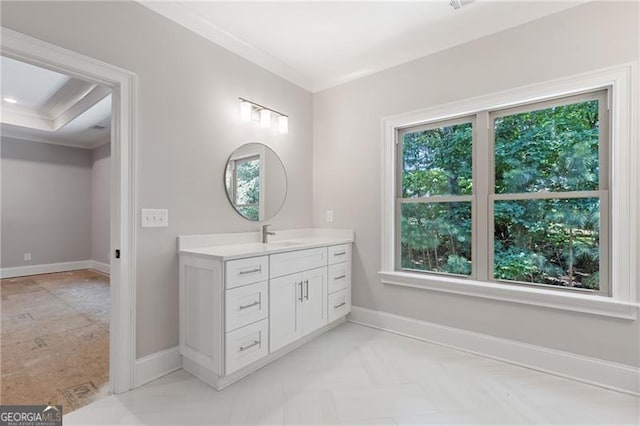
(298, 305)
(298, 297)
(239, 312)
(339, 287)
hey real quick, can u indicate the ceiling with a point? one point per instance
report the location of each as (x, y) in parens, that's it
(51, 107)
(317, 45)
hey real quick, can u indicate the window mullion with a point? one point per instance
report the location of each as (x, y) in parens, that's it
(482, 161)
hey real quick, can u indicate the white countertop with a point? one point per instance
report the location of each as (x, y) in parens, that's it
(216, 246)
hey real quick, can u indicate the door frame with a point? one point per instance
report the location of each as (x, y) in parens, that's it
(122, 83)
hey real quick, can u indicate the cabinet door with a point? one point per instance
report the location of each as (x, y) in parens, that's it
(314, 300)
(285, 294)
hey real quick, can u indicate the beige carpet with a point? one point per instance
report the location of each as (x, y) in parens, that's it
(55, 339)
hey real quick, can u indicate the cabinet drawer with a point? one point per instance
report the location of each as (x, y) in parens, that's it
(297, 261)
(339, 304)
(246, 345)
(340, 253)
(246, 271)
(339, 276)
(246, 304)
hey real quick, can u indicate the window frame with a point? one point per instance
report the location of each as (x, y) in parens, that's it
(621, 302)
(602, 193)
(434, 198)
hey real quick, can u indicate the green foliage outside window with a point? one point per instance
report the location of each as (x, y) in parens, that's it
(247, 191)
(551, 241)
(437, 236)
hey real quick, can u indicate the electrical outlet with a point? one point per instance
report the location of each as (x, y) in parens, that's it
(155, 218)
(27, 256)
(329, 215)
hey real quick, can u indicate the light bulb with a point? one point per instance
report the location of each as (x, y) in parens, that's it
(10, 100)
(245, 111)
(283, 124)
(265, 118)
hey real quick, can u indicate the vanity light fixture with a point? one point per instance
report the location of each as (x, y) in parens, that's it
(246, 110)
(283, 124)
(250, 110)
(265, 118)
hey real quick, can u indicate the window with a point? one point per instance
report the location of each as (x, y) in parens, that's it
(515, 195)
(560, 233)
(243, 177)
(436, 188)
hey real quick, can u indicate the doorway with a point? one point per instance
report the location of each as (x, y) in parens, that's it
(121, 83)
(55, 155)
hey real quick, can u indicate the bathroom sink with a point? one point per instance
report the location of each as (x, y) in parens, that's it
(278, 244)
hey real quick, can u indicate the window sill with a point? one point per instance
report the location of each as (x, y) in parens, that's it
(590, 304)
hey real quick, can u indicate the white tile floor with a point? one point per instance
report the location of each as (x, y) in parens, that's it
(358, 375)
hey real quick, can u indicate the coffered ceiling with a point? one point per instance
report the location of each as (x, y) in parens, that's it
(46, 106)
(317, 45)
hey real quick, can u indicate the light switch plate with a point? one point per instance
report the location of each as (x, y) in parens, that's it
(155, 218)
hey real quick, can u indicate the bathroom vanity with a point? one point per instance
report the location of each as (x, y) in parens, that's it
(244, 303)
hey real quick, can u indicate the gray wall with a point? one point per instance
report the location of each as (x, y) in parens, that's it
(100, 203)
(347, 164)
(188, 125)
(46, 203)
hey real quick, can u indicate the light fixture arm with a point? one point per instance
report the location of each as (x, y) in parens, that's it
(257, 105)
(248, 107)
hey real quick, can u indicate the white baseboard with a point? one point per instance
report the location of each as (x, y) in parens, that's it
(610, 375)
(157, 365)
(20, 271)
(100, 266)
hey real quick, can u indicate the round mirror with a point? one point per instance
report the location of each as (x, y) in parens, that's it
(256, 181)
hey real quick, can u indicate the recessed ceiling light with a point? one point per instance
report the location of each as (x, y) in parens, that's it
(10, 100)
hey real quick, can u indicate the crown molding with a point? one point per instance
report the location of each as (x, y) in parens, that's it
(65, 106)
(67, 96)
(10, 134)
(80, 106)
(437, 37)
(182, 15)
(25, 118)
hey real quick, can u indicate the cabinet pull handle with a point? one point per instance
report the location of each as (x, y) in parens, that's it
(306, 282)
(251, 271)
(340, 277)
(340, 305)
(340, 253)
(250, 305)
(244, 348)
(300, 283)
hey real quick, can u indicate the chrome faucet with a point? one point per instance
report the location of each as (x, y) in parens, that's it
(266, 233)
